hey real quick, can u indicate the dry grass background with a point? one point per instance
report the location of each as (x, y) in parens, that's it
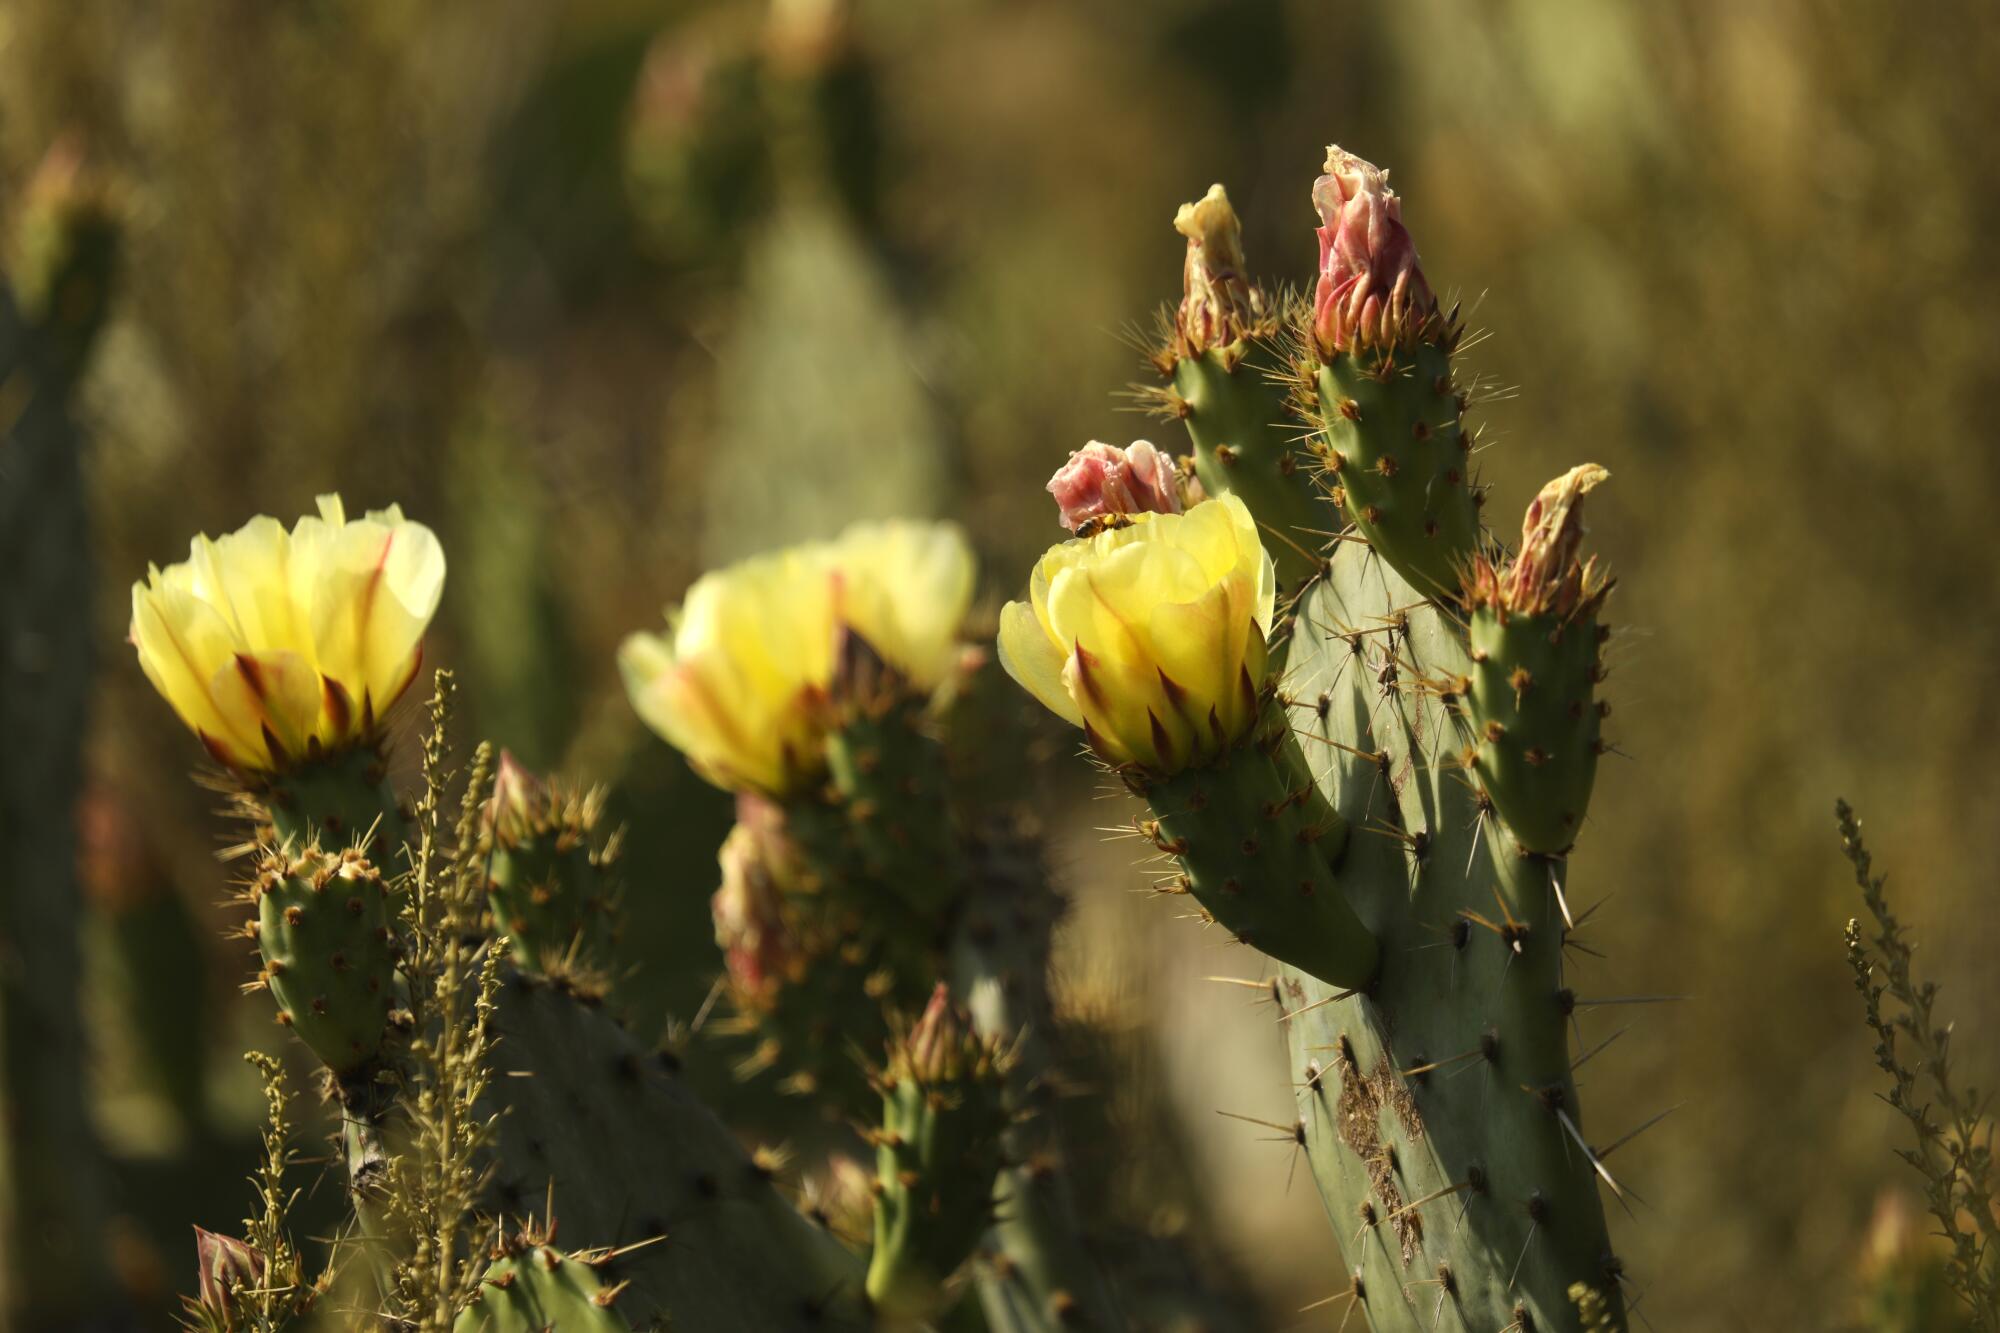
(606, 291)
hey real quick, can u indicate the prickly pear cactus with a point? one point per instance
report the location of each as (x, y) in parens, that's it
(1379, 794)
(1436, 1106)
(322, 928)
(938, 1150)
(332, 800)
(549, 872)
(633, 1157)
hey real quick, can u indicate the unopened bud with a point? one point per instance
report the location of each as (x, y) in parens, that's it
(517, 797)
(227, 1268)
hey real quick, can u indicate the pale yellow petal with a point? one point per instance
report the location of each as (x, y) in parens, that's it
(1035, 661)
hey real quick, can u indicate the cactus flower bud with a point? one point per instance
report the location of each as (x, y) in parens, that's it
(517, 795)
(1151, 637)
(1371, 286)
(757, 943)
(1546, 576)
(227, 1267)
(934, 1050)
(1218, 304)
(1102, 479)
(741, 680)
(937, 1154)
(275, 647)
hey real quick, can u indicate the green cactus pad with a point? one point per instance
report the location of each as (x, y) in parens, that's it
(633, 1157)
(1437, 1110)
(937, 1153)
(334, 800)
(1536, 722)
(809, 1034)
(1233, 402)
(553, 902)
(1399, 449)
(888, 788)
(322, 927)
(540, 1288)
(551, 889)
(1248, 834)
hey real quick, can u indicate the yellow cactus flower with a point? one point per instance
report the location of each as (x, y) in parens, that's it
(275, 646)
(1150, 636)
(740, 681)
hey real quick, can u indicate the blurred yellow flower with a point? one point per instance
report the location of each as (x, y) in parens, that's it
(276, 646)
(740, 680)
(1150, 636)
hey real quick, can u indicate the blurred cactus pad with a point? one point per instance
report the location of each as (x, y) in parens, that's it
(794, 665)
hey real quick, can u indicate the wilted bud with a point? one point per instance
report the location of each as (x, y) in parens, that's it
(1217, 302)
(1102, 479)
(1371, 287)
(227, 1268)
(757, 859)
(1546, 575)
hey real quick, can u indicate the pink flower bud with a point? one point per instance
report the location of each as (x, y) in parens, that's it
(944, 1046)
(518, 796)
(1371, 286)
(758, 946)
(1101, 479)
(228, 1267)
(1217, 301)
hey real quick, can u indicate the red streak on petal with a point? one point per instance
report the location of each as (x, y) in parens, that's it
(338, 704)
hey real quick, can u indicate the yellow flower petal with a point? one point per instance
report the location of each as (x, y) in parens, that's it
(1032, 658)
(265, 641)
(739, 681)
(1154, 632)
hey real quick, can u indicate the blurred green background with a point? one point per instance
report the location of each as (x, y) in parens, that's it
(610, 291)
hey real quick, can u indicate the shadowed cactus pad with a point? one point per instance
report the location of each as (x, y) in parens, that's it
(550, 881)
(634, 1157)
(533, 1287)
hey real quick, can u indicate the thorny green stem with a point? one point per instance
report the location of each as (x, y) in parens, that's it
(1955, 1163)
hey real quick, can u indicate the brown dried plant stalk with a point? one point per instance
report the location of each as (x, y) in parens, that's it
(1954, 1141)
